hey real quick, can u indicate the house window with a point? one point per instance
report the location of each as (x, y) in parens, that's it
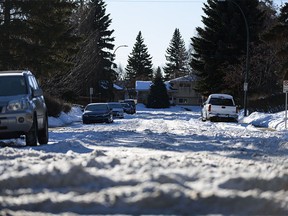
(183, 100)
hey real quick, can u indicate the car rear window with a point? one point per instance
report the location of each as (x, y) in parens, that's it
(221, 101)
(12, 85)
(96, 107)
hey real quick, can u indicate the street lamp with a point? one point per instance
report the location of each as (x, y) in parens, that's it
(112, 65)
(247, 54)
(118, 48)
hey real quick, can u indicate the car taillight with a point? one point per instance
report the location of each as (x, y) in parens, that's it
(209, 108)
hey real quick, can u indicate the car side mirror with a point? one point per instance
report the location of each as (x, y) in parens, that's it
(37, 92)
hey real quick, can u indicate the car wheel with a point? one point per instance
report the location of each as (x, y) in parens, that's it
(31, 135)
(43, 134)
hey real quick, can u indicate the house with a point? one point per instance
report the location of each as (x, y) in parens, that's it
(183, 91)
(180, 90)
(143, 88)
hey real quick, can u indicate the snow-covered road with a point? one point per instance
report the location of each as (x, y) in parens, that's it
(154, 162)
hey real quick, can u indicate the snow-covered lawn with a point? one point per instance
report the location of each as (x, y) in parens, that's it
(154, 162)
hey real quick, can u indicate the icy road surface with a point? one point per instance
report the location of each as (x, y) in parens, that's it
(154, 162)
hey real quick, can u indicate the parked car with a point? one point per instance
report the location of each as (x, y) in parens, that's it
(22, 108)
(128, 108)
(97, 113)
(117, 109)
(219, 107)
(132, 103)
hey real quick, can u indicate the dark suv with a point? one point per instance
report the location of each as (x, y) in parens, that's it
(22, 108)
(132, 103)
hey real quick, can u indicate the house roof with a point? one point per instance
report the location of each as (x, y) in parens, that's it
(187, 78)
(145, 85)
(117, 87)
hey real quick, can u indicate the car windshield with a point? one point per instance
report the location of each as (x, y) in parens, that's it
(115, 105)
(96, 107)
(221, 101)
(12, 85)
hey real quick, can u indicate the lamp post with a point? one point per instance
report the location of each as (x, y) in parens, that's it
(118, 48)
(112, 65)
(247, 54)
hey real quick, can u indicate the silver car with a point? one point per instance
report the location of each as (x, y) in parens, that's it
(117, 109)
(22, 108)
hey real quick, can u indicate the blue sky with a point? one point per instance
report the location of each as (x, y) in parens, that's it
(157, 20)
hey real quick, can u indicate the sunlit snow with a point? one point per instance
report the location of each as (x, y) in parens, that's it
(163, 161)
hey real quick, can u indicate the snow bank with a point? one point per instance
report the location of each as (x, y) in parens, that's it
(275, 121)
(74, 115)
(155, 162)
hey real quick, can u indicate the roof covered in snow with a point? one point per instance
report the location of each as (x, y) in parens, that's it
(145, 85)
(117, 87)
(187, 78)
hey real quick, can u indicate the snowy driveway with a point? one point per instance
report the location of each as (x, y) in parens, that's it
(154, 162)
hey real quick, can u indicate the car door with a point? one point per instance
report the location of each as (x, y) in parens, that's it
(38, 99)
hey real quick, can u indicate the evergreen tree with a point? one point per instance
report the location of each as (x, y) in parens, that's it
(158, 72)
(264, 63)
(158, 96)
(94, 60)
(36, 35)
(223, 39)
(139, 65)
(277, 36)
(177, 57)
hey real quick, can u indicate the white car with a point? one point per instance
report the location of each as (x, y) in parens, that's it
(219, 107)
(117, 109)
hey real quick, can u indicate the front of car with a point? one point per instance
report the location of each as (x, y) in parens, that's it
(16, 111)
(117, 109)
(132, 103)
(22, 108)
(97, 112)
(127, 108)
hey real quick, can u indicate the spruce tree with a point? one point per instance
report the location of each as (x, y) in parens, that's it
(36, 35)
(277, 36)
(177, 57)
(223, 39)
(158, 72)
(139, 65)
(105, 74)
(94, 61)
(158, 96)
(264, 63)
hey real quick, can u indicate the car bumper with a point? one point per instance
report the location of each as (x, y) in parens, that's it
(222, 116)
(15, 124)
(118, 115)
(95, 119)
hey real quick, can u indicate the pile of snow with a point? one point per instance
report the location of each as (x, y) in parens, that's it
(274, 121)
(74, 115)
(164, 161)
